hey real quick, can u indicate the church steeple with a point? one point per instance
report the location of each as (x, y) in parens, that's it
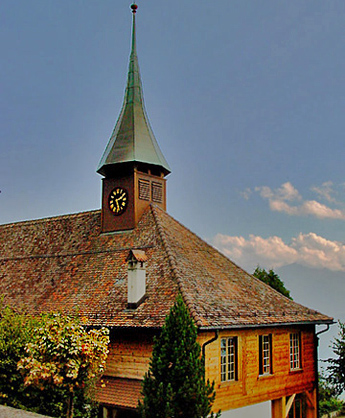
(132, 141)
(132, 164)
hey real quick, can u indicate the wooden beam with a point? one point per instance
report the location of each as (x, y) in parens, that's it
(278, 408)
(289, 404)
(310, 399)
(311, 404)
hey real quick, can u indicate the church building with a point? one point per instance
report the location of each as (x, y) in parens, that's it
(123, 266)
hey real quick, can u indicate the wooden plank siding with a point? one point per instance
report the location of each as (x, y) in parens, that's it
(250, 388)
(130, 355)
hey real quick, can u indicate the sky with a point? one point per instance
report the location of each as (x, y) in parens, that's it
(246, 100)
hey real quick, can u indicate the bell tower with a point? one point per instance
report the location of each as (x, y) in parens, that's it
(133, 165)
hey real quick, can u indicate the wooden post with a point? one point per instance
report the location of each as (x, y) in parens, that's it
(289, 404)
(311, 404)
(279, 408)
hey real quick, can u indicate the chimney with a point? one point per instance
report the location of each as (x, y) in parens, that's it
(136, 278)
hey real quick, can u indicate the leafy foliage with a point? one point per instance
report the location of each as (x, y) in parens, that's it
(18, 334)
(175, 384)
(328, 396)
(273, 280)
(63, 356)
(15, 331)
(336, 366)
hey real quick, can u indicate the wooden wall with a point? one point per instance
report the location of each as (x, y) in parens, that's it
(250, 388)
(130, 355)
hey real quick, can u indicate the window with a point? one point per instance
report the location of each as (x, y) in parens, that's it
(265, 354)
(295, 351)
(228, 359)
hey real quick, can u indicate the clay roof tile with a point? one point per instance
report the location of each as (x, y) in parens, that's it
(65, 263)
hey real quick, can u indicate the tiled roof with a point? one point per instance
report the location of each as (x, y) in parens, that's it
(123, 393)
(65, 263)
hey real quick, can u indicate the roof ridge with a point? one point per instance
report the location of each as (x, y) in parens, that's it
(231, 261)
(48, 218)
(212, 247)
(173, 265)
(156, 209)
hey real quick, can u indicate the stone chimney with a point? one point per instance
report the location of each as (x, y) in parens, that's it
(136, 278)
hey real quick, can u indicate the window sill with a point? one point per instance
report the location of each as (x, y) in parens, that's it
(228, 383)
(295, 371)
(265, 376)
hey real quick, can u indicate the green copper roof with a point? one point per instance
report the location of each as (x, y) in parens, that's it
(132, 139)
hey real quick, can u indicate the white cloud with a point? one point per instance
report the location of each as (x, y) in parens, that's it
(284, 199)
(312, 207)
(306, 249)
(285, 192)
(325, 191)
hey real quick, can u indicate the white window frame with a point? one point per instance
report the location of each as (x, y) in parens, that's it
(228, 359)
(265, 355)
(295, 351)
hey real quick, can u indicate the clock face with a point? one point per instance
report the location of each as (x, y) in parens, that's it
(118, 200)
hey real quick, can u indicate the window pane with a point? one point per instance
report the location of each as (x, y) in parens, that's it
(265, 354)
(295, 357)
(228, 358)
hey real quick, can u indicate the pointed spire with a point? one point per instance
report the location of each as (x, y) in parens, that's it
(132, 140)
(134, 87)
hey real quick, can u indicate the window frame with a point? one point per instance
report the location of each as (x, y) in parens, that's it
(229, 359)
(265, 355)
(295, 356)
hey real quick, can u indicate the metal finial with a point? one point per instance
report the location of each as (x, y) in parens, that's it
(134, 8)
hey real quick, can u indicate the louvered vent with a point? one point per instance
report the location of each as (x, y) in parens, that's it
(157, 192)
(144, 189)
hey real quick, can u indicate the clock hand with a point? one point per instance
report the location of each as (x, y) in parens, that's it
(120, 197)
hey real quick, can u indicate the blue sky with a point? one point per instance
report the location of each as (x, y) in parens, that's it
(246, 100)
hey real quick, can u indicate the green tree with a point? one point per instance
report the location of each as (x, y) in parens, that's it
(336, 368)
(175, 384)
(328, 396)
(272, 279)
(64, 358)
(15, 331)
